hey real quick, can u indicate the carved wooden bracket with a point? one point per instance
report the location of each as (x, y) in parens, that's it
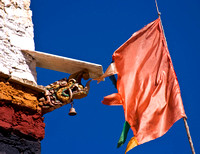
(64, 91)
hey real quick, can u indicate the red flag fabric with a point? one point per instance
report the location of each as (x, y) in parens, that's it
(147, 84)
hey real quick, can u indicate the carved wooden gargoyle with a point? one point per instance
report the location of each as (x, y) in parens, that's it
(64, 91)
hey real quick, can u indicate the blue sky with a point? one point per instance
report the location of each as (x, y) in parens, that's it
(91, 30)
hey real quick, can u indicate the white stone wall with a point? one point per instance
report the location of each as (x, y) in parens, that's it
(16, 33)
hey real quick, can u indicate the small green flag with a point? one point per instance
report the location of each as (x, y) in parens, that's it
(124, 133)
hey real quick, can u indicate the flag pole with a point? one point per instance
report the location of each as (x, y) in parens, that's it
(184, 118)
(188, 134)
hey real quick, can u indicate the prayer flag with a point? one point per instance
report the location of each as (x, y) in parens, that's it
(147, 85)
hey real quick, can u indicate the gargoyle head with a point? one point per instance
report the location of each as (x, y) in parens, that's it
(64, 91)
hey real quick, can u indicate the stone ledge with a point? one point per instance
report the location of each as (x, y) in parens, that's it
(24, 82)
(57, 63)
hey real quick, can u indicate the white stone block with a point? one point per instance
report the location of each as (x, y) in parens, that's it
(23, 75)
(2, 35)
(2, 13)
(6, 2)
(22, 42)
(4, 69)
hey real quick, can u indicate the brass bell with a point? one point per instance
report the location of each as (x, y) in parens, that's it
(72, 111)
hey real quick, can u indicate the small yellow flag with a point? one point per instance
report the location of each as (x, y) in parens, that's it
(131, 144)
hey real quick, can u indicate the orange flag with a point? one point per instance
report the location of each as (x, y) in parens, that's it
(147, 85)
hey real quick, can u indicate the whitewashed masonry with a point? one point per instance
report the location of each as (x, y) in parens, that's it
(16, 33)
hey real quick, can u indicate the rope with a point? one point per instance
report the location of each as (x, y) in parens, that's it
(157, 8)
(160, 21)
